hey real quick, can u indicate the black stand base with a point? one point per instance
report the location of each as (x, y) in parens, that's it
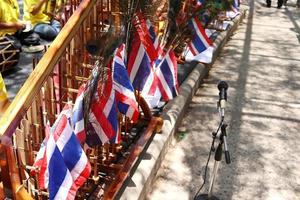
(205, 197)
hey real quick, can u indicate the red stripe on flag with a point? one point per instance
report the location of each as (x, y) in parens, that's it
(144, 35)
(133, 54)
(79, 181)
(202, 30)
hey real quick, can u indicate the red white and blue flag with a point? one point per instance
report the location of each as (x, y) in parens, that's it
(102, 126)
(146, 37)
(153, 36)
(201, 46)
(77, 116)
(166, 72)
(65, 166)
(200, 41)
(139, 64)
(151, 92)
(125, 96)
(40, 163)
(143, 53)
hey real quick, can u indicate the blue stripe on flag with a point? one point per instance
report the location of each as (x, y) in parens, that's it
(152, 34)
(72, 152)
(113, 119)
(165, 69)
(78, 112)
(56, 174)
(197, 42)
(142, 73)
(121, 76)
(123, 107)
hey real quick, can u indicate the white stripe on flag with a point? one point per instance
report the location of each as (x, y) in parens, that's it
(109, 103)
(171, 67)
(148, 82)
(49, 152)
(64, 136)
(64, 189)
(164, 84)
(137, 62)
(118, 60)
(79, 167)
(123, 90)
(79, 126)
(204, 56)
(199, 33)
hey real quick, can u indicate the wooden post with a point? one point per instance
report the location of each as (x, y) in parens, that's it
(10, 175)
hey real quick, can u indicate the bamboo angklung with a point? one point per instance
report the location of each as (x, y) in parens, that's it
(111, 162)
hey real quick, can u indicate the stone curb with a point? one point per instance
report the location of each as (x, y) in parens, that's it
(138, 185)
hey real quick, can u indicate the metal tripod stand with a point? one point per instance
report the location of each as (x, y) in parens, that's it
(218, 158)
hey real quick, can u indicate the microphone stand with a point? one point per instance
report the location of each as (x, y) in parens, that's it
(218, 158)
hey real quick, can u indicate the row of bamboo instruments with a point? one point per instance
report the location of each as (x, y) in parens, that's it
(92, 31)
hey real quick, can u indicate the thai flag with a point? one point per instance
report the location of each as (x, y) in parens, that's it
(151, 92)
(200, 41)
(67, 166)
(125, 96)
(40, 163)
(78, 127)
(153, 36)
(145, 36)
(201, 46)
(166, 73)
(144, 52)
(139, 64)
(102, 126)
(78, 114)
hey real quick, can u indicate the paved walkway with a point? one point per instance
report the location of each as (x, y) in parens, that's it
(262, 67)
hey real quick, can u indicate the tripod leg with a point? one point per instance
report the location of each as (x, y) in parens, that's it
(213, 178)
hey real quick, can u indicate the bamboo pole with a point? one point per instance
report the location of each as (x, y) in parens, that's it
(8, 163)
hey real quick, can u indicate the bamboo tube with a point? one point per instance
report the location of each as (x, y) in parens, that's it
(19, 191)
(95, 159)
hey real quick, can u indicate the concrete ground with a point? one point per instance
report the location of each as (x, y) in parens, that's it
(261, 64)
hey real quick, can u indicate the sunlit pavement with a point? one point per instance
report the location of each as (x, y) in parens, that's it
(261, 64)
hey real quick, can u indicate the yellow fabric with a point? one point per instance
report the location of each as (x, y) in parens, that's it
(3, 92)
(161, 25)
(40, 17)
(9, 12)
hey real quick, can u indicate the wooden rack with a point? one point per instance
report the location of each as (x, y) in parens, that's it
(55, 81)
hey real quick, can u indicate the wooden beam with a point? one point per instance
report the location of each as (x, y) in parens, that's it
(10, 175)
(23, 100)
(19, 191)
